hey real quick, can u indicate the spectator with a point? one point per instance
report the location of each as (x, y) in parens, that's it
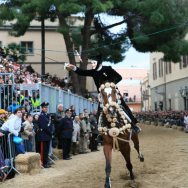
(36, 130)
(35, 100)
(66, 126)
(58, 117)
(186, 121)
(2, 117)
(75, 135)
(26, 106)
(94, 131)
(84, 132)
(72, 108)
(13, 125)
(13, 106)
(28, 133)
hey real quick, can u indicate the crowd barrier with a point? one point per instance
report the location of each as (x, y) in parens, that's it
(11, 91)
(7, 156)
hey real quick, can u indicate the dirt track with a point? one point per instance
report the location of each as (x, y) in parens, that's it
(165, 166)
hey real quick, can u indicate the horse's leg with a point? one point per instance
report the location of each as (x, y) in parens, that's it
(108, 156)
(137, 147)
(125, 150)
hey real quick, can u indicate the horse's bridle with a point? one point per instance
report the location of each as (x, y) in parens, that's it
(114, 113)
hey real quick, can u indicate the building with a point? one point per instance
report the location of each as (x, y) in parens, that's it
(130, 86)
(168, 83)
(55, 54)
(56, 57)
(145, 94)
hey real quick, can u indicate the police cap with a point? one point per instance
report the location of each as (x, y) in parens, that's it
(44, 104)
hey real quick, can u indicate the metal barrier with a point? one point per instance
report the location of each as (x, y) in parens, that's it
(15, 95)
(56, 96)
(7, 154)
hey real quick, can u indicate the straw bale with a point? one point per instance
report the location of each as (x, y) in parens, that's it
(160, 124)
(180, 128)
(28, 162)
(167, 125)
(147, 122)
(27, 158)
(174, 126)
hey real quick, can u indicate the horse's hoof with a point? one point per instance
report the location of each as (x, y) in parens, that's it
(141, 157)
(107, 186)
(107, 183)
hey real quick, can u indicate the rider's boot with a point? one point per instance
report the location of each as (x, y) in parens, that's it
(136, 128)
(99, 139)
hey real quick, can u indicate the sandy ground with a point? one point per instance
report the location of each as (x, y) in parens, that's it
(165, 166)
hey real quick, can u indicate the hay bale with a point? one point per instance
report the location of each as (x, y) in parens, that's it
(167, 125)
(156, 123)
(147, 122)
(160, 123)
(174, 126)
(28, 163)
(58, 153)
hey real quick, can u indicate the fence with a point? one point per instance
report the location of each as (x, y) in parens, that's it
(15, 95)
(7, 155)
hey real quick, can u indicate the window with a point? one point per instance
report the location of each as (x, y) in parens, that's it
(160, 68)
(168, 67)
(154, 71)
(27, 47)
(184, 62)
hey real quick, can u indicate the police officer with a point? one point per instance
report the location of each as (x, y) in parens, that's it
(66, 128)
(44, 134)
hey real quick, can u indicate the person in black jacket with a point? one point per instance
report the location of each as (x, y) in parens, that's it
(66, 128)
(102, 74)
(44, 134)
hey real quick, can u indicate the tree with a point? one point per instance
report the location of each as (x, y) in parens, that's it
(151, 26)
(24, 13)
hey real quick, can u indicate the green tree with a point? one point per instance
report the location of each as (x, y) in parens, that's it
(149, 26)
(24, 12)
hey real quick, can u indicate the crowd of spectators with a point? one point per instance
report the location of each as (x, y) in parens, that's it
(164, 117)
(15, 101)
(83, 134)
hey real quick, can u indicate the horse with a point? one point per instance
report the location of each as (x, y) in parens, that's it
(115, 128)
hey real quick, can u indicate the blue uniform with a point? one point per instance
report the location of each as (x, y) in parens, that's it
(66, 127)
(45, 127)
(44, 136)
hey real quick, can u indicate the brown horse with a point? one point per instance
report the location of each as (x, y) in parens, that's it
(115, 129)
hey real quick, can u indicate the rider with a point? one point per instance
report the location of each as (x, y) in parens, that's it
(102, 74)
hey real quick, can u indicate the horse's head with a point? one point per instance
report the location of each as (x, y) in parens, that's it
(113, 113)
(108, 97)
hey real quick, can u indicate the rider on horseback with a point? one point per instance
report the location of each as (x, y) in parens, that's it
(102, 74)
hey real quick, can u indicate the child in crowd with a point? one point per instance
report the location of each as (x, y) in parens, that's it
(28, 134)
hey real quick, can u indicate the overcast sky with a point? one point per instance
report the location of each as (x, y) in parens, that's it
(133, 59)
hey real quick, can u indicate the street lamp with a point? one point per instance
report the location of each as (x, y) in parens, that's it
(184, 94)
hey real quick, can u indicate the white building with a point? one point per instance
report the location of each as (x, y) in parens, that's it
(168, 83)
